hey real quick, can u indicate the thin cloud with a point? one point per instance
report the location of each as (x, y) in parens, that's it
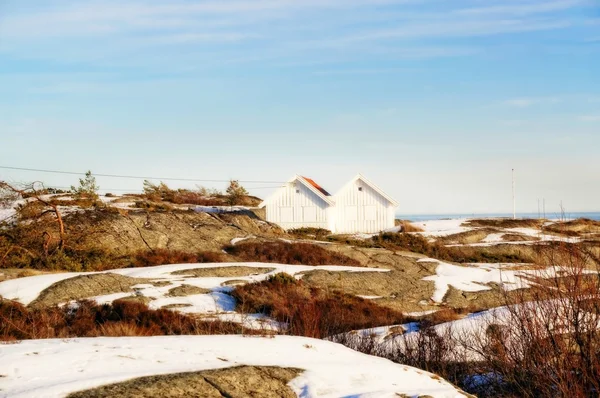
(523, 9)
(455, 29)
(526, 102)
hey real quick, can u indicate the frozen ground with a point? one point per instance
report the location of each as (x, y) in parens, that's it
(442, 228)
(29, 368)
(475, 277)
(437, 228)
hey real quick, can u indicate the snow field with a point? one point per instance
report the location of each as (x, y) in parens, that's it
(331, 370)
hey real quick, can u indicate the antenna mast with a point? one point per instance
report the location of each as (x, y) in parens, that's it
(513, 195)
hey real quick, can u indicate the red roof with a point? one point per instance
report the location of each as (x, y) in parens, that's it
(317, 186)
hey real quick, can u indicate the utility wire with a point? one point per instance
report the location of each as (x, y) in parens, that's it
(133, 190)
(137, 177)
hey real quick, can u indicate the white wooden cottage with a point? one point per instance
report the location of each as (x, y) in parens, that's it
(359, 207)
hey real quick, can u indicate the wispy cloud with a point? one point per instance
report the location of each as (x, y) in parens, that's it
(152, 35)
(522, 8)
(526, 102)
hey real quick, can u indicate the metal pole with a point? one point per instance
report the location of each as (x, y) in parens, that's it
(544, 208)
(513, 192)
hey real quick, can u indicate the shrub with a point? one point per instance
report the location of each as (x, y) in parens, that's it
(87, 188)
(87, 319)
(543, 342)
(235, 192)
(288, 253)
(309, 311)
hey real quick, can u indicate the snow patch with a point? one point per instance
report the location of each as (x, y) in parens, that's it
(331, 370)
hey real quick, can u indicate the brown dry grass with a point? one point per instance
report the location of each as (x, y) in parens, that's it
(519, 238)
(88, 319)
(467, 237)
(288, 253)
(574, 227)
(310, 311)
(166, 256)
(504, 223)
(309, 233)
(407, 226)
(464, 254)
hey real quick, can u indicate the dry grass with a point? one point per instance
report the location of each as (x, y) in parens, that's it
(407, 226)
(309, 233)
(467, 237)
(574, 227)
(288, 253)
(442, 316)
(465, 254)
(87, 319)
(519, 238)
(548, 348)
(504, 223)
(310, 311)
(166, 256)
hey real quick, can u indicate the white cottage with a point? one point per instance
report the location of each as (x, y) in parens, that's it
(301, 202)
(359, 207)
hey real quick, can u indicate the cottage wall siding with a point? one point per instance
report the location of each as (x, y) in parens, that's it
(357, 208)
(306, 208)
(361, 209)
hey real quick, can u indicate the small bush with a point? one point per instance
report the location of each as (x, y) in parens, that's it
(288, 253)
(309, 311)
(88, 319)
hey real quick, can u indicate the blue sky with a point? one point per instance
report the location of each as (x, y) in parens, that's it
(434, 100)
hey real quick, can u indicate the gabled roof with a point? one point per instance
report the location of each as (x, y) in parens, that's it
(317, 186)
(312, 186)
(374, 187)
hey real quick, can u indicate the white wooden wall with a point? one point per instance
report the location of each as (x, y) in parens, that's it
(290, 209)
(363, 211)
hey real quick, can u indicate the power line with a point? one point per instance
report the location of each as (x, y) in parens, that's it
(136, 177)
(133, 190)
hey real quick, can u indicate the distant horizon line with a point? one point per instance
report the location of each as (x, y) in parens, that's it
(497, 213)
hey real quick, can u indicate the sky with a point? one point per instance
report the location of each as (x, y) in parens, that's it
(435, 101)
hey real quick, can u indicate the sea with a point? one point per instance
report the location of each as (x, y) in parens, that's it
(594, 215)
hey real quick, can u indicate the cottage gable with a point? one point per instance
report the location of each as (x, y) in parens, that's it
(359, 207)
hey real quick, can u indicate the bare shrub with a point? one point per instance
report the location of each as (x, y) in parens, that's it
(288, 253)
(38, 207)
